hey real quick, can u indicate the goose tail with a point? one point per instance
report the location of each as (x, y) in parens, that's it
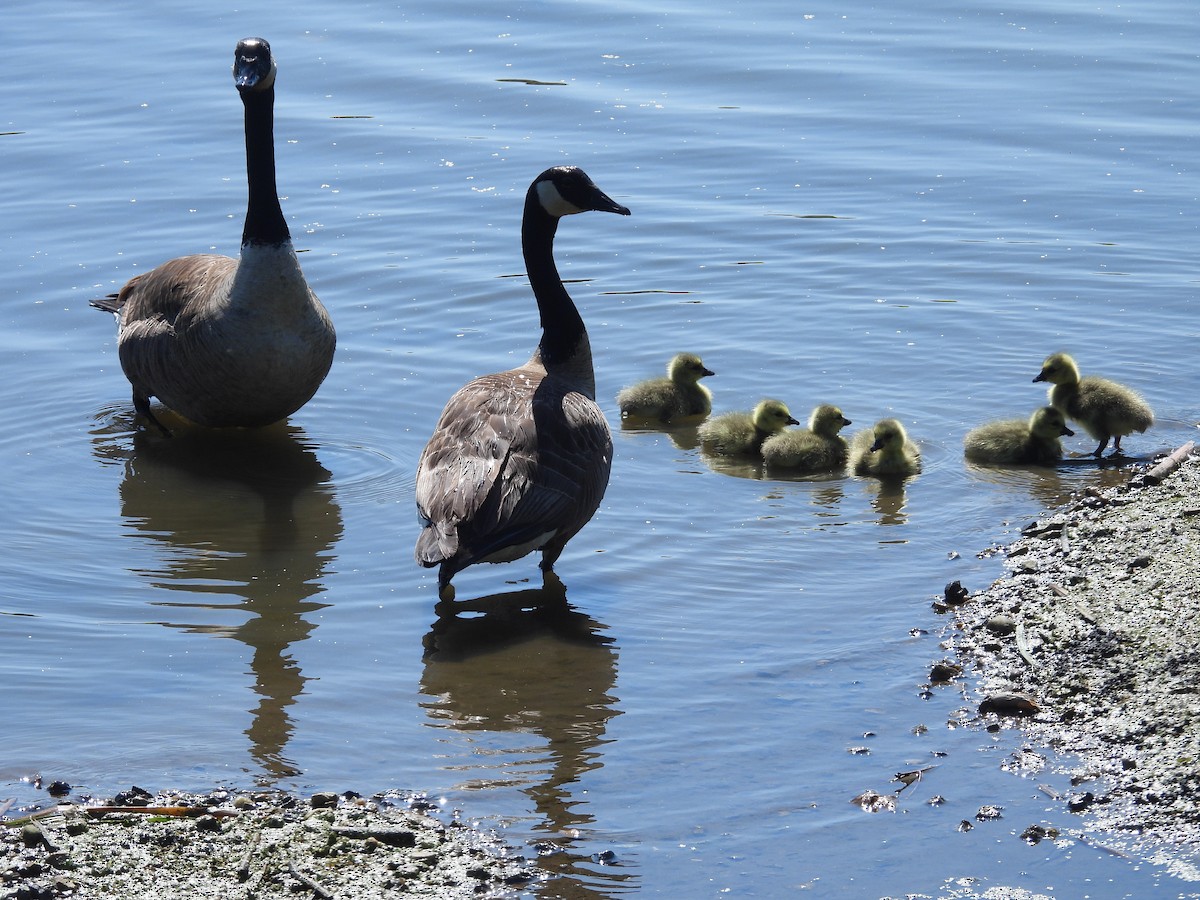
(110, 304)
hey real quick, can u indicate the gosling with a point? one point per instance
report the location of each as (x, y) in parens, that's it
(884, 452)
(677, 397)
(1014, 442)
(743, 433)
(818, 448)
(1105, 409)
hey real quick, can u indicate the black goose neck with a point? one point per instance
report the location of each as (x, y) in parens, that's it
(264, 216)
(563, 334)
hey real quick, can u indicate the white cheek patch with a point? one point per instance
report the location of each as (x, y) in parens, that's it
(554, 202)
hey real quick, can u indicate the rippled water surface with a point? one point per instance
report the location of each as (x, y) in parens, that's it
(900, 208)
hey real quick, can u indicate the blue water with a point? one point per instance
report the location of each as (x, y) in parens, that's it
(900, 208)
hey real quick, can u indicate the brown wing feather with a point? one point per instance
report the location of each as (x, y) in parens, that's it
(515, 456)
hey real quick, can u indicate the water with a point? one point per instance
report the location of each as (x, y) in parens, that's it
(901, 209)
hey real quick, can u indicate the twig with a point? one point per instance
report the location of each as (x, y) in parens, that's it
(1159, 473)
(309, 882)
(1023, 646)
(1079, 605)
(192, 812)
(243, 870)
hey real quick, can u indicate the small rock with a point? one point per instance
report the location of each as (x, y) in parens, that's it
(944, 672)
(324, 800)
(208, 823)
(1009, 703)
(956, 594)
(988, 812)
(1001, 624)
(1080, 802)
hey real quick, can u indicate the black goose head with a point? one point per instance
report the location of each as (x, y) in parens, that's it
(253, 66)
(566, 190)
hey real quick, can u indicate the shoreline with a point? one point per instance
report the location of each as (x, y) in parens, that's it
(253, 844)
(1090, 644)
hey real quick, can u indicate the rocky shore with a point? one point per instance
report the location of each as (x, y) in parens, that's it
(252, 845)
(1091, 645)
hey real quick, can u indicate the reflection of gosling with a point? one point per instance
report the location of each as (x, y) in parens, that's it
(678, 396)
(818, 448)
(1035, 442)
(884, 450)
(744, 432)
(1104, 408)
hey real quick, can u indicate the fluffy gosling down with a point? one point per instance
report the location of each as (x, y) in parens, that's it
(818, 448)
(743, 433)
(1105, 409)
(1014, 442)
(679, 395)
(884, 451)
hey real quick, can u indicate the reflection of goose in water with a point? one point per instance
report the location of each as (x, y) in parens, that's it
(249, 515)
(526, 662)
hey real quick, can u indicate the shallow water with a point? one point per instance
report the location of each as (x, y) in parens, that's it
(901, 210)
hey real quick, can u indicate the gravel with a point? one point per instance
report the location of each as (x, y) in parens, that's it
(252, 845)
(1091, 645)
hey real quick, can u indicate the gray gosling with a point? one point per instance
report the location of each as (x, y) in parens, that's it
(1016, 442)
(223, 341)
(818, 448)
(519, 460)
(1105, 409)
(884, 451)
(678, 396)
(743, 433)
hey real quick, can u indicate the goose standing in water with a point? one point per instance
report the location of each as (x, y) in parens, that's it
(818, 448)
(223, 341)
(884, 452)
(678, 396)
(743, 433)
(519, 460)
(1105, 409)
(1013, 441)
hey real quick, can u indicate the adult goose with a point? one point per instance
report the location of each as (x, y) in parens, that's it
(519, 460)
(1106, 410)
(222, 341)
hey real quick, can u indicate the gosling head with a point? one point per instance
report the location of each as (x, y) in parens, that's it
(771, 416)
(1059, 368)
(827, 420)
(687, 368)
(253, 66)
(566, 190)
(889, 433)
(1050, 423)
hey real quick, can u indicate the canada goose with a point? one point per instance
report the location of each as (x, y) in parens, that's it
(883, 451)
(678, 396)
(818, 448)
(739, 433)
(1104, 408)
(519, 460)
(222, 341)
(1017, 442)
